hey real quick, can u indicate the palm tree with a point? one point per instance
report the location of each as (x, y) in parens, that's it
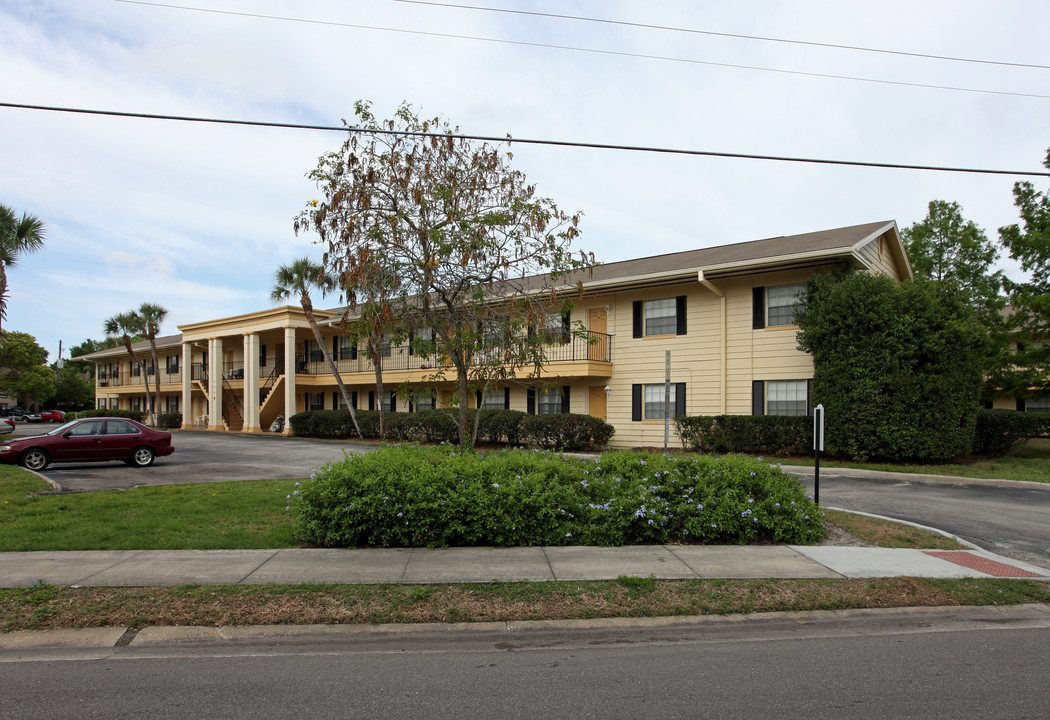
(17, 237)
(298, 279)
(123, 326)
(152, 316)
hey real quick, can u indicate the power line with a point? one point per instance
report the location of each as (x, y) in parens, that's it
(692, 31)
(594, 51)
(525, 141)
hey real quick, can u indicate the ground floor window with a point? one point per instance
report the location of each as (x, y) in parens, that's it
(1039, 404)
(495, 399)
(425, 401)
(648, 402)
(549, 401)
(780, 397)
(315, 401)
(172, 404)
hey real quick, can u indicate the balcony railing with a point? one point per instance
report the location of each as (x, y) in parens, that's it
(124, 379)
(593, 346)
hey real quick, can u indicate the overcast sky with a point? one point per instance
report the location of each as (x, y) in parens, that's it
(197, 217)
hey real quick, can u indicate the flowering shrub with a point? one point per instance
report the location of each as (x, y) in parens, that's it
(435, 497)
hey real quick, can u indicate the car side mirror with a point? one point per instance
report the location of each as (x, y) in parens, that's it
(67, 433)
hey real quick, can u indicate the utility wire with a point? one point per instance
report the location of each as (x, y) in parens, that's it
(724, 34)
(524, 141)
(617, 53)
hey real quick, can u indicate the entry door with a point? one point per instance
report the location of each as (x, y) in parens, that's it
(599, 324)
(596, 402)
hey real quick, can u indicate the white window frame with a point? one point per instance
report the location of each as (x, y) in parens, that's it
(656, 314)
(787, 397)
(653, 401)
(783, 303)
(493, 399)
(548, 401)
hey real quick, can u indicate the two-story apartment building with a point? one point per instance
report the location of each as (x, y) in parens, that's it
(725, 314)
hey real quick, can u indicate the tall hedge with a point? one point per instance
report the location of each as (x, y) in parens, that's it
(897, 366)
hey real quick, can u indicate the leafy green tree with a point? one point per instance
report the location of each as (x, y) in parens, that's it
(948, 248)
(127, 327)
(476, 254)
(17, 237)
(86, 367)
(23, 368)
(1029, 244)
(72, 391)
(297, 279)
(897, 367)
(151, 316)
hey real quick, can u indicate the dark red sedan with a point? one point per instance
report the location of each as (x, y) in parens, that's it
(88, 440)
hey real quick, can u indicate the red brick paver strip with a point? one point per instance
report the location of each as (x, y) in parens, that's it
(980, 564)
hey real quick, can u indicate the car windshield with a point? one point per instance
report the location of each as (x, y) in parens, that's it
(62, 428)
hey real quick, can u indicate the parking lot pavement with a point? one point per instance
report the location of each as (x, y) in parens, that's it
(202, 457)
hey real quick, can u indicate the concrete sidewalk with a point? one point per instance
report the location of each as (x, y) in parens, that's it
(459, 565)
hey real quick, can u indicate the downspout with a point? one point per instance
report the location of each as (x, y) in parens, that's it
(722, 356)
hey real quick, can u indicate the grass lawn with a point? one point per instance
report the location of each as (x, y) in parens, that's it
(1028, 461)
(219, 516)
(253, 515)
(49, 607)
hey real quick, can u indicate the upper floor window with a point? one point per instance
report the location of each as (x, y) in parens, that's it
(659, 317)
(776, 306)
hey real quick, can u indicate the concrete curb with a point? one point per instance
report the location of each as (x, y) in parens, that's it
(917, 477)
(103, 639)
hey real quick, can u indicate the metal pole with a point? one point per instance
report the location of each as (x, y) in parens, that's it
(667, 398)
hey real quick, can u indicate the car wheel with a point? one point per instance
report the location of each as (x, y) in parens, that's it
(35, 459)
(142, 457)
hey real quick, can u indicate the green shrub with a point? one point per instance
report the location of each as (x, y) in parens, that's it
(565, 431)
(998, 431)
(897, 366)
(169, 420)
(763, 434)
(435, 497)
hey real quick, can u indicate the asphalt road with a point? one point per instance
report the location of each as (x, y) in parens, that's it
(935, 663)
(1012, 522)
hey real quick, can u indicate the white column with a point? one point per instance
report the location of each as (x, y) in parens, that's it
(187, 388)
(215, 384)
(289, 378)
(251, 383)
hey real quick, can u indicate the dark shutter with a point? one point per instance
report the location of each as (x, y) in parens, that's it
(353, 399)
(679, 311)
(393, 401)
(565, 328)
(565, 399)
(638, 319)
(758, 308)
(506, 398)
(679, 400)
(758, 397)
(335, 348)
(335, 400)
(809, 397)
(636, 403)
(262, 355)
(411, 339)
(371, 399)
(477, 399)
(1020, 404)
(530, 400)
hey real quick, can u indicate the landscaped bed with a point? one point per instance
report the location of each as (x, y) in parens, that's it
(437, 497)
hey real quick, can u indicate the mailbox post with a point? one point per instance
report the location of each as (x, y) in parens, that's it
(818, 447)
